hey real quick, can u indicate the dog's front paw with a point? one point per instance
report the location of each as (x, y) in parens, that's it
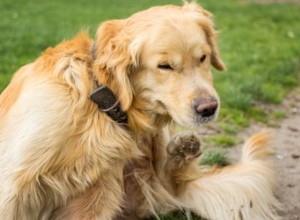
(185, 147)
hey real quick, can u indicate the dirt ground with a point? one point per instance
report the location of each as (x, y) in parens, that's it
(287, 157)
(286, 153)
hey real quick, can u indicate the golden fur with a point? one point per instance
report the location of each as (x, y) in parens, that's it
(62, 158)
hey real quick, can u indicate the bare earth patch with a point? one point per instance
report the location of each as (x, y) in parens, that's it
(287, 160)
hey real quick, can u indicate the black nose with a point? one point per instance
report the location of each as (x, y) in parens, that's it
(206, 107)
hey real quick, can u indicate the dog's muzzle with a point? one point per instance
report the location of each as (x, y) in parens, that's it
(206, 107)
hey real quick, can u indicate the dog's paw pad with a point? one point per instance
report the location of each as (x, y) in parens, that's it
(185, 147)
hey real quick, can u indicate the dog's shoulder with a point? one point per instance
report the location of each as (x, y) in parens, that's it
(78, 47)
(60, 57)
(66, 64)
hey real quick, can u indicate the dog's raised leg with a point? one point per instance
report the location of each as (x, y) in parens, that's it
(239, 192)
(182, 161)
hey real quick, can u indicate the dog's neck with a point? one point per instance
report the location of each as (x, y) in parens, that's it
(136, 117)
(105, 98)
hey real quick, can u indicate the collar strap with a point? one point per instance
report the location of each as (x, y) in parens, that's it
(107, 102)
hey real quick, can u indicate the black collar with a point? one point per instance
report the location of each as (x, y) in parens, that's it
(105, 98)
(108, 103)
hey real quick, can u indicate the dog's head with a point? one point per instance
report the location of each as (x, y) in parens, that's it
(162, 56)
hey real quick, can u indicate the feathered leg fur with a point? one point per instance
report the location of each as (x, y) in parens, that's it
(243, 191)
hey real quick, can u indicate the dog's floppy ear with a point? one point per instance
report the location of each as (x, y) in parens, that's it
(113, 60)
(205, 21)
(212, 41)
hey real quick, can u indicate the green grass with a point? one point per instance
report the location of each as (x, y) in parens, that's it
(278, 115)
(259, 43)
(221, 140)
(213, 157)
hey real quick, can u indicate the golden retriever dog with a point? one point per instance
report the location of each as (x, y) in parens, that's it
(85, 130)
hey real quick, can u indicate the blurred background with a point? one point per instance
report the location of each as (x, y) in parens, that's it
(258, 40)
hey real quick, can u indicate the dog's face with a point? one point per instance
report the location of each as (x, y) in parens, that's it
(175, 73)
(170, 51)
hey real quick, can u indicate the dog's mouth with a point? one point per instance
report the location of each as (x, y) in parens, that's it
(188, 118)
(204, 120)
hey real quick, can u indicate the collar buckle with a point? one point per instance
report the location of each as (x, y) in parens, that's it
(108, 103)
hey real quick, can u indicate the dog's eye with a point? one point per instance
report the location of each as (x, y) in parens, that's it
(203, 58)
(165, 67)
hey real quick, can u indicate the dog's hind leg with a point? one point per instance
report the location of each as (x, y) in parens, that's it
(243, 191)
(182, 161)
